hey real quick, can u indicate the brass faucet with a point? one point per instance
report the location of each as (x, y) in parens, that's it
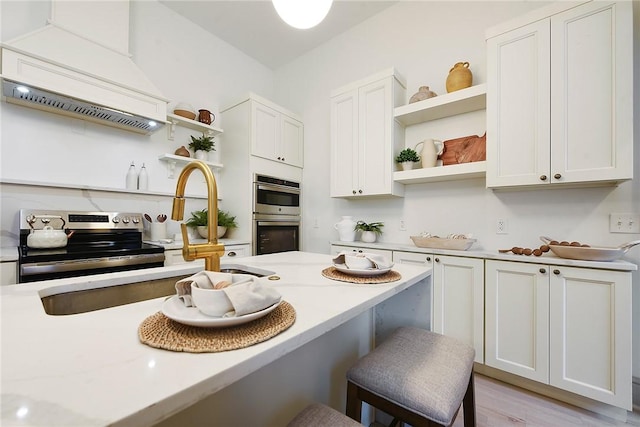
(212, 250)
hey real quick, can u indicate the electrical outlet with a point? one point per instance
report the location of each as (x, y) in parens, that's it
(315, 223)
(403, 226)
(502, 226)
(624, 223)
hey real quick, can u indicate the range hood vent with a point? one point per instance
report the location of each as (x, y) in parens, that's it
(79, 67)
(17, 93)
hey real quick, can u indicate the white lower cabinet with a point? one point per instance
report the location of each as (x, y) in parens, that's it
(457, 296)
(563, 326)
(174, 256)
(8, 273)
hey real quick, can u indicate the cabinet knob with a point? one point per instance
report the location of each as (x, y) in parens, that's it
(231, 253)
(556, 271)
(283, 159)
(353, 191)
(557, 176)
(543, 177)
(360, 191)
(428, 258)
(360, 250)
(542, 270)
(437, 259)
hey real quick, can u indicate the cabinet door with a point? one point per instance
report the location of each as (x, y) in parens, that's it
(236, 251)
(8, 273)
(174, 257)
(590, 333)
(375, 139)
(292, 142)
(458, 300)
(265, 135)
(591, 81)
(414, 258)
(517, 318)
(344, 144)
(518, 107)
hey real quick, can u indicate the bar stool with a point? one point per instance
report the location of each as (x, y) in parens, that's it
(417, 376)
(319, 415)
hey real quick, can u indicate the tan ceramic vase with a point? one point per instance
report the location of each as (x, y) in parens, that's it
(459, 77)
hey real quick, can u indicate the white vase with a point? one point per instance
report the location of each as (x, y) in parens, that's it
(202, 155)
(368, 236)
(346, 229)
(406, 166)
(203, 230)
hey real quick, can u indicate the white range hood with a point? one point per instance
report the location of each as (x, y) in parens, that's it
(79, 65)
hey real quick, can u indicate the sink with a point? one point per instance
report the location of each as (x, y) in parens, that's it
(83, 301)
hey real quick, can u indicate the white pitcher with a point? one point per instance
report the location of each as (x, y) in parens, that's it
(346, 229)
(431, 149)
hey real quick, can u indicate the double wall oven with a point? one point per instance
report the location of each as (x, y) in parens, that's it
(97, 242)
(276, 215)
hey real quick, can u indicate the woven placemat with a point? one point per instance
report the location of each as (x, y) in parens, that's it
(161, 332)
(333, 273)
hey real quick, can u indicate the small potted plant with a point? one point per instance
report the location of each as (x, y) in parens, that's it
(370, 231)
(201, 146)
(407, 158)
(199, 220)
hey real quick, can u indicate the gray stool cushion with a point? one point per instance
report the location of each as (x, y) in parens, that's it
(318, 415)
(419, 370)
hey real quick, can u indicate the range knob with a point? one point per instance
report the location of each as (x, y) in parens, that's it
(135, 219)
(125, 220)
(115, 220)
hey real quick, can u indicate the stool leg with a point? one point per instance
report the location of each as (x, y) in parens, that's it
(469, 404)
(354, 404)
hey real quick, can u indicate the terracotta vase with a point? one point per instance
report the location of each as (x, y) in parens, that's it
(422, 94)
(182, 151)
(459, 77)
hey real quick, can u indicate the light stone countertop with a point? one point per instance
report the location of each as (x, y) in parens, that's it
(90, 369)
(547, 258)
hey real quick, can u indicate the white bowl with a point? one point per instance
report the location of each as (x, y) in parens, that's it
(357, 262)
(214, 302)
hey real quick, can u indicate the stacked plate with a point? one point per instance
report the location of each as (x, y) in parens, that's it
(373, 271)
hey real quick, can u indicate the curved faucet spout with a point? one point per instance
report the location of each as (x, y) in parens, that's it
(212, 250)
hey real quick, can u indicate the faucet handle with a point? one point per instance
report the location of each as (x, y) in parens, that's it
(186, 253)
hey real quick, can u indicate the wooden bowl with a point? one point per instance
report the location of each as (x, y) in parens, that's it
(185, 113)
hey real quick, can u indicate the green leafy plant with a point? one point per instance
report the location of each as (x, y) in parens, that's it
(200, 219)
(376, 227)
(204, 143)
(407, 155)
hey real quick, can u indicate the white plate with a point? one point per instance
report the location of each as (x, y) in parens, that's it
(175, 309)
(368, 272)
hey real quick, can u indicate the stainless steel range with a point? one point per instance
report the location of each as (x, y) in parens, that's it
(92, 243)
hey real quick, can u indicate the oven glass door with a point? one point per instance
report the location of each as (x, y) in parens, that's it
(276, 236)
(274, 199)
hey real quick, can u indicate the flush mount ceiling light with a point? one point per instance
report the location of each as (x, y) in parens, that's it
(302, 14)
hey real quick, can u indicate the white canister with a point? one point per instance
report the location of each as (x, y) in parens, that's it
(431, 149)
(346, 229)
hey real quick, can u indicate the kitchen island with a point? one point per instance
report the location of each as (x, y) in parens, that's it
(90, 369)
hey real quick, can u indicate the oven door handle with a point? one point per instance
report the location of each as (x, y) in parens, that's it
(284, 223)
(278, 188)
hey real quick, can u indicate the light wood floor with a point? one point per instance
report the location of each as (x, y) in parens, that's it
(501, 405)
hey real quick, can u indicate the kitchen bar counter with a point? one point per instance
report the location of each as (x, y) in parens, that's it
(91, 370)
(547, 258)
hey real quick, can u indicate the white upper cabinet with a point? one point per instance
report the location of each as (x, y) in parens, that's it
(559, 105)
(365, 137)
(276, 135)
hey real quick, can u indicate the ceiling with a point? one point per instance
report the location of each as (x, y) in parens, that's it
(255, 28)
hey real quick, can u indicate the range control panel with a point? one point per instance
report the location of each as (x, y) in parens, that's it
(31, 219)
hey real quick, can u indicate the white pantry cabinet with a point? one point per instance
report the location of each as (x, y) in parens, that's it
(275, 133)
(457, 295)
(365, 137)
(563, 326)
(559, 104)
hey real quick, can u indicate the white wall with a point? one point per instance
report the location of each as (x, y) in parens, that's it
(186, 63)
(423, 40)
